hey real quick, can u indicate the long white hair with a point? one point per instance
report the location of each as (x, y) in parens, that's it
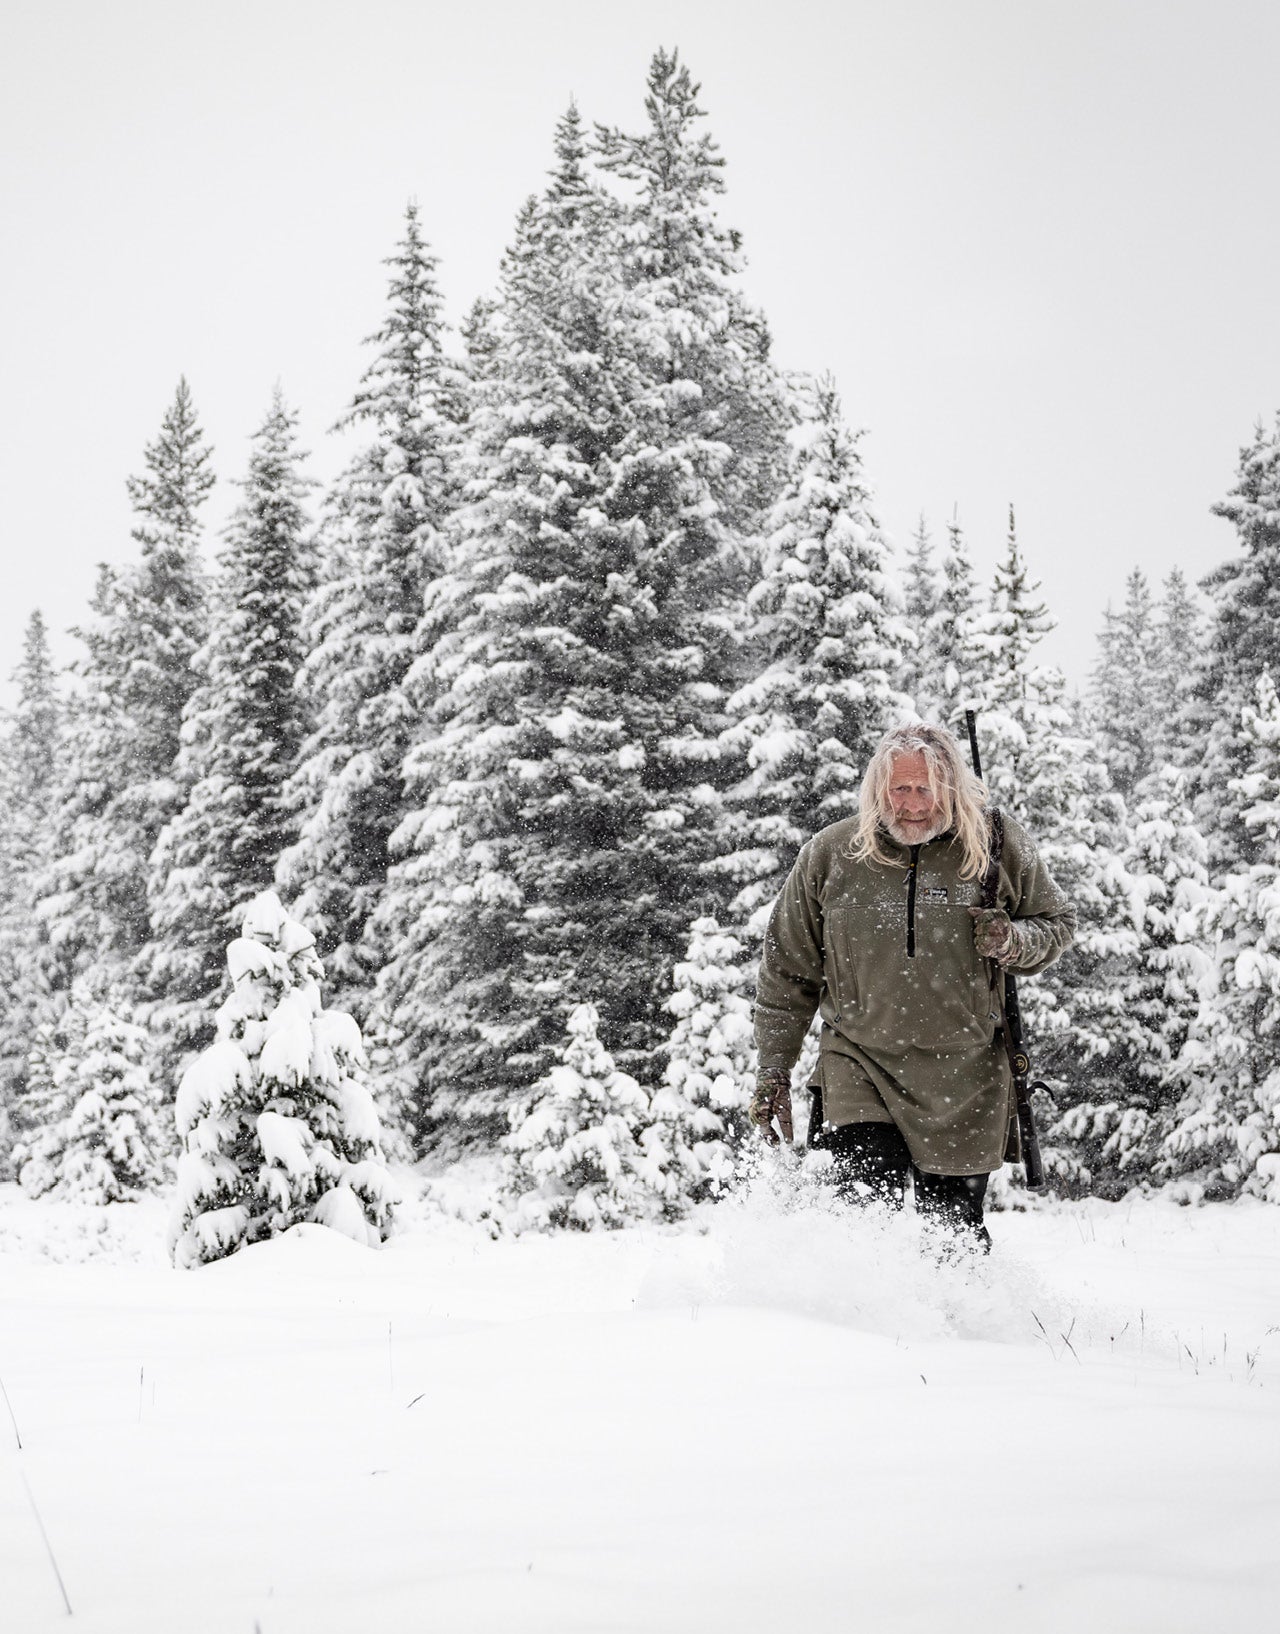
(961, 798)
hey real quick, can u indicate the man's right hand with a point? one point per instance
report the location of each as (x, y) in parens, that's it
(771, 1100)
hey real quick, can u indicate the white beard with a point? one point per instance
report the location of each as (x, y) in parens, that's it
(905, 837)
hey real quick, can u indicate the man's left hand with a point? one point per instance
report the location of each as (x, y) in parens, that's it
(994, 934)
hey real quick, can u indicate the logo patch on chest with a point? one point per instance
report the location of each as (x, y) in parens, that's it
(934, 893)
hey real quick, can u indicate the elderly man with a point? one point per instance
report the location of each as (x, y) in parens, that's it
(881, 927)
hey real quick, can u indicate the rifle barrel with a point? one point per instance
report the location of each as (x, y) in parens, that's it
(971, 721)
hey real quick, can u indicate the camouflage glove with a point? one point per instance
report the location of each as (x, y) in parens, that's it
(771, 1100)
(995, 935)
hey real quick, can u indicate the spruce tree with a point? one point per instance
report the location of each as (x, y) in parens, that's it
(31, 758)
(384, 544)
(1180, 655)
(1011, 629)
(243, 729)
(921, 601)
(1128, 694)
(1243, 641)
(1224, 1135)
(1041, 766)
(567, 769)
(30, 771)
(706, 455)
(1111, 1139)
(701, 348)
(516, 695)
(132, 686)
(481, 343)
(826, 623)
(1181, 627)
(161, 606)
(954, 657)
(698, 1114)
(278, 1129)
(572, 1157)
(99, 1137)
(46, 1101)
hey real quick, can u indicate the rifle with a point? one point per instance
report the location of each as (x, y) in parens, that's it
(1007, 997)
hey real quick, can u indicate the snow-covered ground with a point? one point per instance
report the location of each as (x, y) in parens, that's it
(779, 1417)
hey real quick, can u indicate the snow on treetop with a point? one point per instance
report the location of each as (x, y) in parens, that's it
(265, 919)
(268, 923)
(583, 1021)
(295, 938)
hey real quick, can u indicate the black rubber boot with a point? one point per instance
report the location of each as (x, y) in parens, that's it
(870, 1164)
(954, 1201)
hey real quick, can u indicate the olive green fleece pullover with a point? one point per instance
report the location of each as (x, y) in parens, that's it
(886, 954)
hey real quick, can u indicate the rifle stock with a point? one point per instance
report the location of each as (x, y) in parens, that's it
(1020, 1066)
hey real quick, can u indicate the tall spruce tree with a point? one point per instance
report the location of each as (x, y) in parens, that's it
(1129, 699)
(1244, 640)
(1013, 626)
(921, 597)
(826, 622)
(242, 733)
(1181, 626)
(953, 662)
(702, 349)
(515, 774)
(1181, 652)
(132, 687)
(1040, 765)
(1224, 1136)
(30, 769)
(1160, 990)
(383, 544)
(567, 772)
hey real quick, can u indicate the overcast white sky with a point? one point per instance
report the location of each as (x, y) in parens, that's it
(1036, 242)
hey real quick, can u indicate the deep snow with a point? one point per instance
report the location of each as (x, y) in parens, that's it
(776, 1417)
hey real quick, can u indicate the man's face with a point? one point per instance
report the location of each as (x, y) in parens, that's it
(914, 815)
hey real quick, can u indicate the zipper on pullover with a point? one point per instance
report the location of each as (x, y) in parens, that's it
(911, 901)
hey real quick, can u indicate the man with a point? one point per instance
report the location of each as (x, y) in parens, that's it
(881, 927)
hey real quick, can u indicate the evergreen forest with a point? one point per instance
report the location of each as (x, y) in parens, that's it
(436, 813)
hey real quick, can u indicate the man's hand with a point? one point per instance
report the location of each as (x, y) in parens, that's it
(771, 1100)
(994, 934)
